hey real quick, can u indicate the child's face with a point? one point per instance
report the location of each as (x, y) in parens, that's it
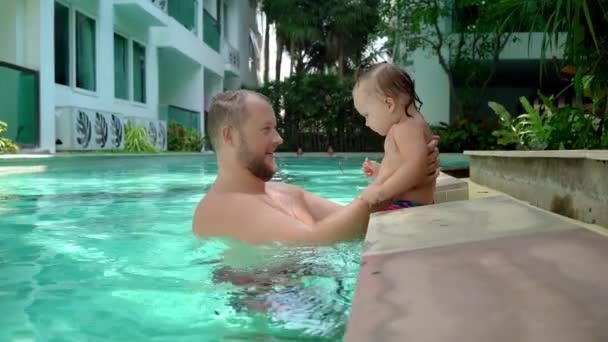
(377, 110)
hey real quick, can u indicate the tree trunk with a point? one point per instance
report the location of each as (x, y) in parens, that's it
(279, 59)
(292, 49)
(266, 51)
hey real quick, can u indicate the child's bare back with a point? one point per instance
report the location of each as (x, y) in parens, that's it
(398, 148)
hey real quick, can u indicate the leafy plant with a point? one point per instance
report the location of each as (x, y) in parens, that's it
(507, 134)
(324, 35)
(532, 126)
(184, 139)
(317, 111)
(464, 134)
(6, 145)
(550, 127)
(136, 139)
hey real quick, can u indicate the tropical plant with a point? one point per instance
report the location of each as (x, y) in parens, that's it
(584, 25)
(464, 134)
(547, 126)
(507, 134)
(332, 35)
(316, 111)
(137, 140)
(533, 127)
(183, 139)
(6, 145)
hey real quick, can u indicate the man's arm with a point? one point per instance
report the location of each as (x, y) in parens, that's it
(261, 223)
(319, 207)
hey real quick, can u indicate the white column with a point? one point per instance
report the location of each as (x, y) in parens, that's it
(199, 19)
(201, 76)
(47, 75)
(152, 82)
(20, 25)
(105, 53)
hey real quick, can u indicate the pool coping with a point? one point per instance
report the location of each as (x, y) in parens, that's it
(388, 273)
(165, 153)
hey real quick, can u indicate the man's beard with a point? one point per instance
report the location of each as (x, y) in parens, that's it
(257, 166)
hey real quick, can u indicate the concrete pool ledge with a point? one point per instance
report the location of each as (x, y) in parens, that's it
(449, 189)
(572, 183)
(487, 269)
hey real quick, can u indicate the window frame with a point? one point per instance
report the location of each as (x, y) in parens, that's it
(128, 41)
(74, 87)
(133, 41)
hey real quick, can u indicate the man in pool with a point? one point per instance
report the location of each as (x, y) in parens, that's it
(243, 204)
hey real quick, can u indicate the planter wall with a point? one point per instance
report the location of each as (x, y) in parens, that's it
(571, 183)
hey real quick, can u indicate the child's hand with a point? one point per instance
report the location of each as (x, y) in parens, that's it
(370, 168)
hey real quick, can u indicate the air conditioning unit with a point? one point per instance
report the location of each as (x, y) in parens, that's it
(80, 129)
(161, 142)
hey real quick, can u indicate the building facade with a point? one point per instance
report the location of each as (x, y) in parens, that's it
(73, 73)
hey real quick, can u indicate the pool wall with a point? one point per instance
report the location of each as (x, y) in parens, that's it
(571, 183)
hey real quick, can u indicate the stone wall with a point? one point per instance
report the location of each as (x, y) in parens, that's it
(570, 183)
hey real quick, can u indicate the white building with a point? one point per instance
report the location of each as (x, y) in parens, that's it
(71, 69)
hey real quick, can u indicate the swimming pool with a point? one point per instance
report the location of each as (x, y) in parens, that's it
(100, 248)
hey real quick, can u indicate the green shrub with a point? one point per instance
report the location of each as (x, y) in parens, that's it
(464, 134)
(6, 145)
(183, 139)
(550, 127)
(136, 140)
(315, 111)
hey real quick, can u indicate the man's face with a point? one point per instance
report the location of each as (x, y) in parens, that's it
(258, 138)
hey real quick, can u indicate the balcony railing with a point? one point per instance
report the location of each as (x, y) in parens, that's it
(211, 31)
(232, 55)
(184, 11)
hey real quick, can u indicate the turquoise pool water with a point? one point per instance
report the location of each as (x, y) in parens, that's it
(100, 248)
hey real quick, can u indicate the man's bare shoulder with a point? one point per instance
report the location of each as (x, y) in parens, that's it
(215, 213)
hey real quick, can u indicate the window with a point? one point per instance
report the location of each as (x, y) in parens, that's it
(19, 104)
(121, 68)
(139, 72)
(184, 11)
(62, 44)
(85, 52)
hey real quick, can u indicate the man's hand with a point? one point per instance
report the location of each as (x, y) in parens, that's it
(372, 195)
(433, 159)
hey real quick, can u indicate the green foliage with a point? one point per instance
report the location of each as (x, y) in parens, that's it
(507, 133)
(6, 145)
(324, 35)
(183, 139)
(583, 24)
(468, 52)
(136, 140)
(316, 111)
(464, 134)
(547, 126)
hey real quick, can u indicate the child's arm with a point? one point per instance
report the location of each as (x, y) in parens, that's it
(410, 142)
